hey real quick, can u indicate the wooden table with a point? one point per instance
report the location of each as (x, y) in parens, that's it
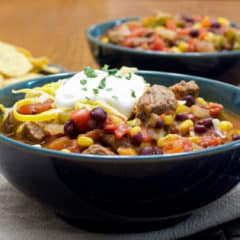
(55, 28)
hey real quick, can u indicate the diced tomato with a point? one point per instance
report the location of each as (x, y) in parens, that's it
(127, 42)
(133, 25)
(171, 24)
(138, 32)
(110, 126)
(192, 44)
(35, 108)
(210, 141)
(81, 118)
(173, 147)
(187, 145)
(215, 109)
(121, 130)
(203, 33)
(158, 44)
(146, 136)
(183, 32)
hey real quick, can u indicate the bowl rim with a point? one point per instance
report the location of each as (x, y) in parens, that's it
(116, 158)
(89, 33)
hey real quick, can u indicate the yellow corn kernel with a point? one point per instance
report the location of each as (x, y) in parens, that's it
(84, 141)
(195, 139)
(185, 126)
(206, 22)
(117, 120)
(135, 130)
(223, 21)
(105, 40)
(225, 126)
(65, 150)
(168, 119)
(126, 151)
(183, 46)
(181, 108)
(176, 50)
(197, 26)
(200, 101)
(168, 138)
(20, 129)
(209, 37)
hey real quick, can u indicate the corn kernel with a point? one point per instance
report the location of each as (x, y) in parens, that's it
(209, 37)
(181, 108)
(65, 150)
(225, 126)
(195, 139)
(168, 138)
(117, 120)
(176, 50)
(200, 101)
(197, 26)
(126, 151)
(183, 46)
(185, 126)
(223, 21)
(105, 40)
(168, 119)
(205, 22)
(135, 130)
(19, 129)
(84, 141)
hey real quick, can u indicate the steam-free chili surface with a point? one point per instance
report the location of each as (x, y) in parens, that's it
(162, 120)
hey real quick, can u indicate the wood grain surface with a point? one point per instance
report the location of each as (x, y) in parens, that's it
(56, 28)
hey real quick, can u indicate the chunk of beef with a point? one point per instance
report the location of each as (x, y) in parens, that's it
(10, 125)
(111, 141)
(98, 149)
(183, 88)
(33, 132)
(157, 99)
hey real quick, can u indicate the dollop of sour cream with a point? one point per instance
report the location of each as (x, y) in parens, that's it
(120, 90)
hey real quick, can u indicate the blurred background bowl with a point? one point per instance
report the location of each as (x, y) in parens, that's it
(224, 66)
(113, 193)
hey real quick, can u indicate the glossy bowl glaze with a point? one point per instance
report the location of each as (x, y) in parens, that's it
(223, 66)
(124, 193)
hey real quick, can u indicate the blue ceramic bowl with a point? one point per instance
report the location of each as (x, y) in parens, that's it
(223, 66)
(124, 193)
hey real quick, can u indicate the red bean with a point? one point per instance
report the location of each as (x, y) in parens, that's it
(98, 114)
(159, 124)
(181, 117)
(207, 122)
(70, 129)
(136, 139)
(189, 100)
(200, 129)
(149, 151)
(235, 137)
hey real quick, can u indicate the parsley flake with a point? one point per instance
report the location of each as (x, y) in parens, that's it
(105, 67)
(129, 76)
(87, 98)
(83, 81)
(115, 97)
(112, 71)
(89, 72)
(95, 91)
(133, 94)
(102, 84)
(109, 89)
(84, 89)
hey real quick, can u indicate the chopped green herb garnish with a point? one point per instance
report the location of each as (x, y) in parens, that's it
(112, 71)
(83, 81)
(89, 72)
(95, 91)
(109, 89)
(84, 89)
(129, 76)
(105, 67)
(133, 94)
(115, 97)
(87, 98)
(102, 84)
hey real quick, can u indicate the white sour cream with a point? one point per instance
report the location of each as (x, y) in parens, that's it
(121, 91)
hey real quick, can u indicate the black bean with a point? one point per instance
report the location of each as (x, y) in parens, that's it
(215, 25)
(136, 139)
(194, 33)
(189, 100)
(98, 114)
(200, 129)
(70, 129)
(207, 122)
(181, 117)
(235, 137)
(149, 150)
(159, 124)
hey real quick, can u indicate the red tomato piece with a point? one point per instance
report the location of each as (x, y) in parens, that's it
(121, 130)
(158, 44)
(109, 125)
(171, 24)
(81, 118)
(215, 109)
(35, 108)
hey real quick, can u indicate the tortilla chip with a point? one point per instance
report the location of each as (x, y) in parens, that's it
(13, 63)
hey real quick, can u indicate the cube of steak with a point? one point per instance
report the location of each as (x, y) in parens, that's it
(157, 99)
(10, 125)
(33, 132)
(183, 88)
(98, 150)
